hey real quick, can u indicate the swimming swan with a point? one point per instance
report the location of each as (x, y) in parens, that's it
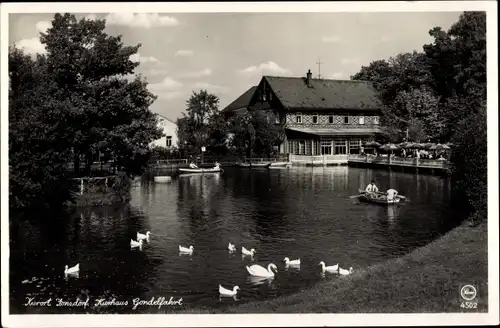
(231, 247)
(245, 251)
(292, 262)
(259, 271)
(134, 243)
(73, 269)
(227, 292)
(186, 250)
(329, 269)
(143, 236)
(345, 272)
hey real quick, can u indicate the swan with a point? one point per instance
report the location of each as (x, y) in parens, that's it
(227, 292)
(143, 236)
(231, 247)
(345, 272)
(329, 269)
(245, 251)
(259, 271)
(73, 269)
(134, 243)
(186, 250)
(292, 262)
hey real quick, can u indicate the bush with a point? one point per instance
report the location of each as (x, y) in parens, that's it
(470, 165)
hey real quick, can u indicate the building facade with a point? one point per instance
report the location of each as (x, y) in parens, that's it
(169, 138)
(320, 117)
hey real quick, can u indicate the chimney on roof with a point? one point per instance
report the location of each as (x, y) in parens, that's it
(309, 76)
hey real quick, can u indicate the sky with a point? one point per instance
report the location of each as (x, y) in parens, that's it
(227, 53)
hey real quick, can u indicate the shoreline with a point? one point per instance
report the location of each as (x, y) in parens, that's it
(426, 280)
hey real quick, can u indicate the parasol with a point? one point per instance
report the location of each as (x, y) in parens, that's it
(389, 146)
(439, 147)
(372, 144)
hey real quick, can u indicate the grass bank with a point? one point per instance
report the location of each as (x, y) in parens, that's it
(425, 280)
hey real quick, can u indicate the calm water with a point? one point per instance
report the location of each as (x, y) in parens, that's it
(300, 213)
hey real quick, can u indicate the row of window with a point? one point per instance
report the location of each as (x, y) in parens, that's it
(324, 147)
(315, 119)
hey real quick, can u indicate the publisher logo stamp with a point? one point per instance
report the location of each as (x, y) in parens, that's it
(468, 292)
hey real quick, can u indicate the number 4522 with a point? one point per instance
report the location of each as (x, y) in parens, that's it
(468, 305)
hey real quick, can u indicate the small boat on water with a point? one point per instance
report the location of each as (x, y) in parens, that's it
(163, 179)
(264, 165)
(279, 164)
(380, 200)
(200, 170)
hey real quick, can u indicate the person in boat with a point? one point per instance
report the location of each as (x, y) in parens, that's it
(391, 194)
(372, 189)
(217, 165)
(193, 165)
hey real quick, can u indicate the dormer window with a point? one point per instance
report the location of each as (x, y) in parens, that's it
(298, 118)
(264, 96)
(315, 118)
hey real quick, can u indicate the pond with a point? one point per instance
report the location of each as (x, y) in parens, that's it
(301, 213)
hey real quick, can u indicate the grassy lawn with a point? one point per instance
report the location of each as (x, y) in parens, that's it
(425, 280)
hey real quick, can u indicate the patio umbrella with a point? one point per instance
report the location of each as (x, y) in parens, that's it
(404, 144)
(389, 146)
(439, 147)
(372, 144)
(428, 145)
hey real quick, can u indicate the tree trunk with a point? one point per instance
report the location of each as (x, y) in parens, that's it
(76, 164)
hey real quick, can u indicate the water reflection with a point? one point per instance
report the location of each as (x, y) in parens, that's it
(297, 213)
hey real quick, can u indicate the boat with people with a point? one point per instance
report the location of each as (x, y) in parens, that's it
(200, 170)
(195, 169)
(380, 198)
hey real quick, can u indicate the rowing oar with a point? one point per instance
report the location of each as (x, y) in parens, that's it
(360, 194)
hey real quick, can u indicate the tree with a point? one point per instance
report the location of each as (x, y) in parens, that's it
(38, 138)
(105, 109)
(74, 102)
(201, 122)
(255, 133)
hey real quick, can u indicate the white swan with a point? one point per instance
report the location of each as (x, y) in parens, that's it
(245, 251)
(292, 262)
(227, 292)
(186, 250)
(231, 247)
(143, 236)
(134, 243)
(73, 269)
(259, 271)
(329, 269)
(345, 272)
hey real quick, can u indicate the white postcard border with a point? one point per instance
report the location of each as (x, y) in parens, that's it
(242, 320)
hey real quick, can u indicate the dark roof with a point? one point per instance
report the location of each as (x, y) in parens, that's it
(242, 101)
(294, 93)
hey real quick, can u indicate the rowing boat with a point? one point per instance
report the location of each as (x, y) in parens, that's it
(200, 170)
(253, 165)
(382, 198)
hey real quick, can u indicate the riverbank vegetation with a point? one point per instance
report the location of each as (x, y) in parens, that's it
(78, 102)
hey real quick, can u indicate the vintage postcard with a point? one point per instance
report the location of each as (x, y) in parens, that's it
(249, 164)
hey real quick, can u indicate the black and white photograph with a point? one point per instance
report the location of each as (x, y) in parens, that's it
(246, 164)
